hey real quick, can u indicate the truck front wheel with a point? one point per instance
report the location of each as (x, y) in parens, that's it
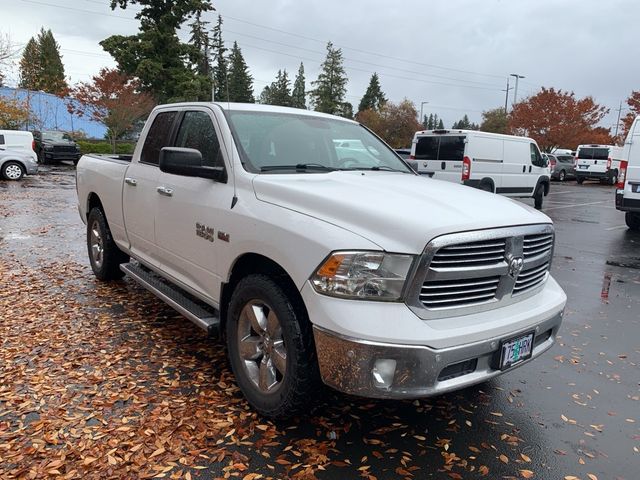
(270, 346)
(104, 255)
(538, 196)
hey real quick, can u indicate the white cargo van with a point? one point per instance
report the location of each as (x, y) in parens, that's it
(504, 164)
(628, 187)
(599, 162)
(19, 141)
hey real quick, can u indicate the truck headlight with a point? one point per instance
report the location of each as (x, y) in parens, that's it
(363, 275)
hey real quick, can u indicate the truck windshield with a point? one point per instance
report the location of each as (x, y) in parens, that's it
(291, 143)
(56, 137)
(593, 153)
(440, 148)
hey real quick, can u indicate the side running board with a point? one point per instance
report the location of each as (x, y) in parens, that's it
(202, 315)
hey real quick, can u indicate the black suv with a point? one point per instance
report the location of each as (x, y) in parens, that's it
(53, 146)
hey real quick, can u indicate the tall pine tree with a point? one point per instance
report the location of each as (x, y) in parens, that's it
(221, 68)
(279, 92)
(331, 85)
(30, 69)
(240, 81)
(200, 43)
(373, 98)
(299, 94)
(156, 55)
(52, 70)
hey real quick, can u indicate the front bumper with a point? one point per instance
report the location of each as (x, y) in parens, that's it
(365, 368)
(58, 156)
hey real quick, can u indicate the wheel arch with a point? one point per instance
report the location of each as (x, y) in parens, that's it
(255, 263)
(545, 181)
(488, 181)
(93, 201)
(17, 160)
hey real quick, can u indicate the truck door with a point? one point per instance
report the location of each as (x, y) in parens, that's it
(139, 189)
(193, 214)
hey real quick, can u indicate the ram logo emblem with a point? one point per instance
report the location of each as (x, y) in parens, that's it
(515, 266)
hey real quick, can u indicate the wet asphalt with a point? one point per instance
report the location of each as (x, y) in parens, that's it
(575, 412)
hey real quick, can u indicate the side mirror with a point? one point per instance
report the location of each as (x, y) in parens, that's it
(188, 163)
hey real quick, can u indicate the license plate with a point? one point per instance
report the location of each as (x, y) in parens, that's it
(583, 166)
(515, 350)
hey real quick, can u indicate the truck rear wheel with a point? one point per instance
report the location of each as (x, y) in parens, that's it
(104, 255)
(270, 347)
(632, 220)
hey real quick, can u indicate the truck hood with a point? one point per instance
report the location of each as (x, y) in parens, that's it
(397, 211)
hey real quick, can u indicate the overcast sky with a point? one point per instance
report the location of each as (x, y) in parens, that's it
(454, 54)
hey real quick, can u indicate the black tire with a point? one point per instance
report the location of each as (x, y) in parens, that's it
(485, 187)
(580, 180)
(12, 171)
(633, 220)
(613, 179)
(300, 382)
(106, 264)
(538, 197)
(562, 176)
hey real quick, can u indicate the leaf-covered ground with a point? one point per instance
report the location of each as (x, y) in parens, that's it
(104, 381)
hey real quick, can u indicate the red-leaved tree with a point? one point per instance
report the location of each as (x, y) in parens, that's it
(554, 118)
(111, 99)
(634, 110)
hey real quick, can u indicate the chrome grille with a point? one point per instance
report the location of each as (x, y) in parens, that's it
(536, 245)
(458, 293)
(531, 278)
(473, 254)
(476, 271)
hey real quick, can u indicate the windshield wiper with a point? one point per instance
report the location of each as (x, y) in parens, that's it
(378, 168)
(300, 166)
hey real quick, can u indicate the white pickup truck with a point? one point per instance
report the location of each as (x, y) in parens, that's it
(314, 262)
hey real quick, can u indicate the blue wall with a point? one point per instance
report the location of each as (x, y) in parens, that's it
(52, 113)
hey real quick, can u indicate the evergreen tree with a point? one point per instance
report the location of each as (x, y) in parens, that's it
(279, 92)
(298, 96)
(331, 85)
(465, 124)
(345, 110)
(155, 54)
(240, 81)
(373, 98)
(221, 68)
(200, 55)
(430, 124)
(51, 68)
(440, 125)
(425, 122)
(30, 70)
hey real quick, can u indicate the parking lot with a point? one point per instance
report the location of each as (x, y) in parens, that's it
(104, 381)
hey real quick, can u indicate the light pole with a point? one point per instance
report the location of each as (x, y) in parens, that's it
(421, 114)
(515, 93)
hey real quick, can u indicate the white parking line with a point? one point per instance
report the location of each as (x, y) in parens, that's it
(575, 205)
(615, 228)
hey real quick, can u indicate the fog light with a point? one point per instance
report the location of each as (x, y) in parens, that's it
(383, 372)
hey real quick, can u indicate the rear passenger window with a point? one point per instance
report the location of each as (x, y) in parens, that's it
(157, 137)
(440, 148)
(1, 139)
(197, 132)
(451, 148)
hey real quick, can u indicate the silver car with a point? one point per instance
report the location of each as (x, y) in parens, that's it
(15, 164)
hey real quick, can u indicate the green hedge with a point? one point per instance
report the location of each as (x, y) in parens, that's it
(105, 147)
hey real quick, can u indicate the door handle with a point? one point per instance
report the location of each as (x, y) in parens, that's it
(130, 181)
(167, 192)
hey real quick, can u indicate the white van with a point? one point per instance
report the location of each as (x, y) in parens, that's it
(600, 162)
(19, 141)
(504, 164)
(628, 187)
